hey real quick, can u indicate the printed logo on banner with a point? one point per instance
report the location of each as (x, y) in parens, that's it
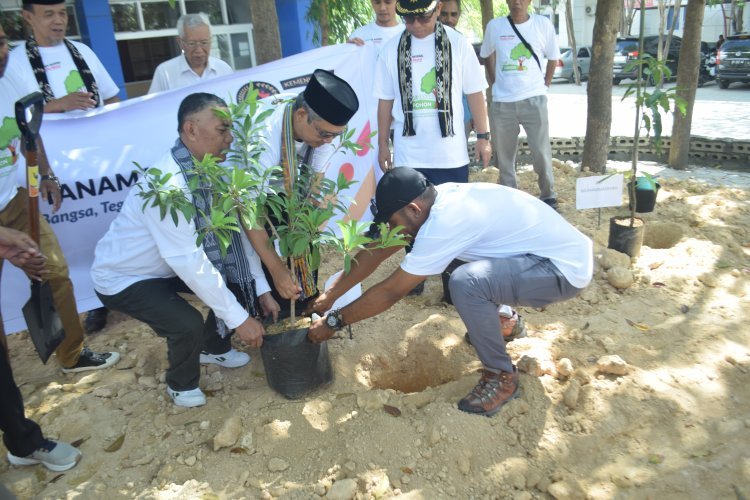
(264, 90)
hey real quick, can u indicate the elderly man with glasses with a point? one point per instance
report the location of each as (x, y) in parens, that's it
(195, 64)
(299, 136)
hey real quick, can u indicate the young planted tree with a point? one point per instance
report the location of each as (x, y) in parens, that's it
(649, 107)
(244, 196)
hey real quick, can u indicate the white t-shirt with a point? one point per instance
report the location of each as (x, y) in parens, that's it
(270, 136)
(479, 220)
(139, 245)
(12, 88)
(62, 74)
(517, 75)
(428, 148)
(177, 73)
(377, 35)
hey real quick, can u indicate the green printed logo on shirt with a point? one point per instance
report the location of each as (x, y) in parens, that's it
(74, 82)
(520, 54)
(8, 133)
(428, 88)
(429, 81)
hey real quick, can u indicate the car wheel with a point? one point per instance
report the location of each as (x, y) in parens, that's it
(615, 81)
(723, 84)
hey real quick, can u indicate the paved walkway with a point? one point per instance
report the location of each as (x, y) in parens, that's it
(716, 118)
(717, 113)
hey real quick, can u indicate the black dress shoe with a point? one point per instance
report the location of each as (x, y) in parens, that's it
(96, 319)
(552, 202)
(417, 290)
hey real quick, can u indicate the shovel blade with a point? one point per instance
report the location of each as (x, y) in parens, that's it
(42, 320)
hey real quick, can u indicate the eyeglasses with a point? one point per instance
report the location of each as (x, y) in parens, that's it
(421, 18)
(192, 44)
(324, 134)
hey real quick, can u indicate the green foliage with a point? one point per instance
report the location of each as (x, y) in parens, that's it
(653, 104)
(470, 23)
(648, 105)
(334, 21)
(243, 190)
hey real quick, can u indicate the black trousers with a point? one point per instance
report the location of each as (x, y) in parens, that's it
(20, 435)
(156, 302)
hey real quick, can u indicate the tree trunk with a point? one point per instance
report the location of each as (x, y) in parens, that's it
(266, 36)
(675, 16)
(660, 54)
(626, 17)
(687, 81)
(323, 24)
(599, 89)
(572, 40)
(737, 13)
(486, 6)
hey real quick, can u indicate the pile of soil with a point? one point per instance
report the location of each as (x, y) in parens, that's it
(638, 388)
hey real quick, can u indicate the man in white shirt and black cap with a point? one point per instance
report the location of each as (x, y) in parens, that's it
(195, 64)
(517, 251)
(318, 116)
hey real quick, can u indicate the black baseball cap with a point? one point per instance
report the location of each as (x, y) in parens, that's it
(398, 187)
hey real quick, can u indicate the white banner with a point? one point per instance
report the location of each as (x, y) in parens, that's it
(93, 156)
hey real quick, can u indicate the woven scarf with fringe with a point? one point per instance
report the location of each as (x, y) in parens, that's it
(290, 167)
(443, 74)
(234, 267)
(37, 65)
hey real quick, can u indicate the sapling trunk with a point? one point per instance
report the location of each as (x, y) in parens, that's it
(637, 133)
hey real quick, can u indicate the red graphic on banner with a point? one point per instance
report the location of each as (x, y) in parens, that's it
(364, 140)
(348, 170)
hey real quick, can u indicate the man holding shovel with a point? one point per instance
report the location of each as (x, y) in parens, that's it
(68, 73)
(24, 439)
(14, 204)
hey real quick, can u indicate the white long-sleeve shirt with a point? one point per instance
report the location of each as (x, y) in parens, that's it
(139, 245)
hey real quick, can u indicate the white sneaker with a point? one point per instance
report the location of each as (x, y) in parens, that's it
(230, 359)
(188, 399)
(55, 455)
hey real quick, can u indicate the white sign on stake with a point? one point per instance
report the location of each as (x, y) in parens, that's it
(599, 191)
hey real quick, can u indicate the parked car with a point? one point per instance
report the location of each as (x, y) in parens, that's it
(626, 49)
(733, 60)
(564, 68)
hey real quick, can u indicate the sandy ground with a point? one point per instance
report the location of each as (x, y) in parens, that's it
(669, 418)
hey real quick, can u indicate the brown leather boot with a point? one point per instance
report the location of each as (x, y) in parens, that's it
(491, 393)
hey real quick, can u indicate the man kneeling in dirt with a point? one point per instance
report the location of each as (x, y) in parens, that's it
(518, 251)
(146, 259)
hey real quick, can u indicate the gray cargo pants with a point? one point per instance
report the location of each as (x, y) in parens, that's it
(507, 118)
(478, 288)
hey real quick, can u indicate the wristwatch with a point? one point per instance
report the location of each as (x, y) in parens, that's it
(483, 135)
(335, 320)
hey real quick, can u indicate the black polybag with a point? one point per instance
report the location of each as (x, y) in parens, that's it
(294, 365)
